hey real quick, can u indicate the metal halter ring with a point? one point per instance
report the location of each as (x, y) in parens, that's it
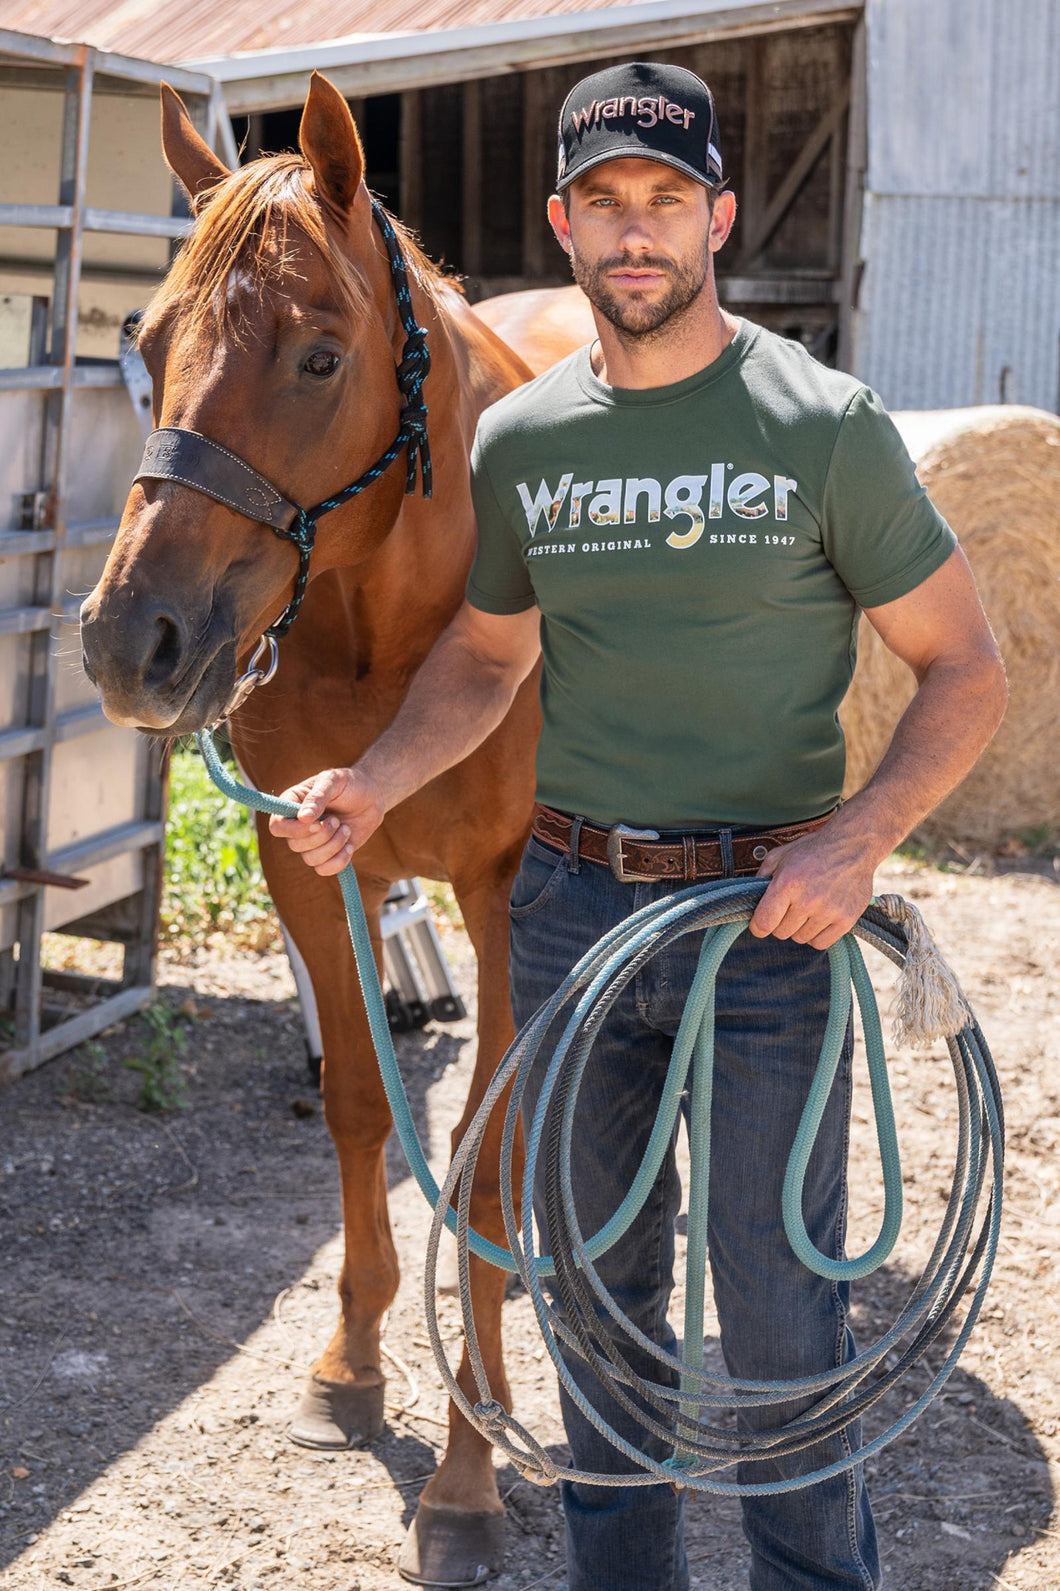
(255, 675)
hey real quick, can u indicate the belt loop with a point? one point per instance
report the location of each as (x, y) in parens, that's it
(690, 858)
(728, 862)
(573, 864)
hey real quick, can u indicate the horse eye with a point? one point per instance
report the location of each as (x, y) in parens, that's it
(321, 363)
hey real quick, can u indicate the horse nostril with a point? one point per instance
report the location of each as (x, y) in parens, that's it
(167, 657)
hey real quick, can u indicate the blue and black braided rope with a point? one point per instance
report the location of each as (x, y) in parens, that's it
(411, 439)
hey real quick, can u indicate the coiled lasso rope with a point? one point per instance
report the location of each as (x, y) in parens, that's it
(930, 1005)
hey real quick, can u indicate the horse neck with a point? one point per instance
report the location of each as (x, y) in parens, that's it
(398, 599)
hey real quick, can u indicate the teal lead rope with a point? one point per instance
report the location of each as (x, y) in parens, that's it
(682, 1405)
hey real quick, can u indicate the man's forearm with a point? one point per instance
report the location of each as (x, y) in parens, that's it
(947, 725)
(455, 701)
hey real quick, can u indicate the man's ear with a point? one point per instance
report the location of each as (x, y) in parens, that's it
(559, 222)
(329, 141)
(721, 219)
(188, 156)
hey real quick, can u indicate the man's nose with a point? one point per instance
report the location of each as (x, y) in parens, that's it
(637, 236)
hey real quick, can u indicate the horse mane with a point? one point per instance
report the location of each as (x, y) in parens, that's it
(238, 226)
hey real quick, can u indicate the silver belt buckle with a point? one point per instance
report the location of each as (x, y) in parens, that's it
(615, 836)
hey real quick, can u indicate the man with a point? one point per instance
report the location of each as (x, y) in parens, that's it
(691, 513)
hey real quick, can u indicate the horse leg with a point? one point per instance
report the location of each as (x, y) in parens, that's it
(343, 1403)
(457, 1536)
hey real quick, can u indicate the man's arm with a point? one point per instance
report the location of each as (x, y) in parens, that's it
(459, 695)
(822, 883)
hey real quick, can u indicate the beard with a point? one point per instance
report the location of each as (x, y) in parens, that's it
(636, 319)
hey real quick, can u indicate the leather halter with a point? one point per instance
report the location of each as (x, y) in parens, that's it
(172, 453)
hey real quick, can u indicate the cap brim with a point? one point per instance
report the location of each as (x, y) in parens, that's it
(637, 154)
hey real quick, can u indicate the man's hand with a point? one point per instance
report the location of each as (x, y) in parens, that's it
(820, 886)
(457, 697)
(338, 810)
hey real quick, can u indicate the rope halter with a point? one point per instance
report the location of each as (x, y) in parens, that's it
(175, 454)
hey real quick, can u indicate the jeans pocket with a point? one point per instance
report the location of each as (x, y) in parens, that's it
(540, 873)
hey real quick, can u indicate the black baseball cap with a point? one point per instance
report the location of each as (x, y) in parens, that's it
(643, 110)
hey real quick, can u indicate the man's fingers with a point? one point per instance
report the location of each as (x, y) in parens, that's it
(302, 837)
(769, 911)
(312, 798)
(336, 863)
(289, 828)
(771, 862)
(324, 789)
(323, 852)
(794, 921)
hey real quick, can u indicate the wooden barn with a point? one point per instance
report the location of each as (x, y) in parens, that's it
(897, 164)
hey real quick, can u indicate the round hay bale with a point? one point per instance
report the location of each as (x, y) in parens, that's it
(995, 474)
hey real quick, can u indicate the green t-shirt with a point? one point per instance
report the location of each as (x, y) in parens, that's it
(699, 553)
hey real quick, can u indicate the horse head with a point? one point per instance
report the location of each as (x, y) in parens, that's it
(273, 344)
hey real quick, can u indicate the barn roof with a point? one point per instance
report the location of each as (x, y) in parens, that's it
(247, 38)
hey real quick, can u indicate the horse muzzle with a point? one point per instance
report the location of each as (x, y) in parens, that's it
(155, 669)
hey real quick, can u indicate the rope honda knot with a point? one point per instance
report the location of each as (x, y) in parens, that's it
(304, 531)
(415, 365)
(491, 1413)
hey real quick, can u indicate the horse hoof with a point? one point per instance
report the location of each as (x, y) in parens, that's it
(333, 1414)
(446, 1547)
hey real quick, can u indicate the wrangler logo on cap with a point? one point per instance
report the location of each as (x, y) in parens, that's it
(648, 112)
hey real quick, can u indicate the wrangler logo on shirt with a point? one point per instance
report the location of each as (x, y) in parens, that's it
(748, 495)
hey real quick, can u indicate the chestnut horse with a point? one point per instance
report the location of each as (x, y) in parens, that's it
(278, 334)
(542, 324)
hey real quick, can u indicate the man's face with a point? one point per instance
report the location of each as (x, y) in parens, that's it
(640, 236)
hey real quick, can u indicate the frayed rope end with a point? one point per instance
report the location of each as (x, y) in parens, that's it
(929, 1002)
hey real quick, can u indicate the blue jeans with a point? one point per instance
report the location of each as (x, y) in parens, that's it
(778, 1320)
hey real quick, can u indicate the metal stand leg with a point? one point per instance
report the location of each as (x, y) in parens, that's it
(416, 968)
(419, 985)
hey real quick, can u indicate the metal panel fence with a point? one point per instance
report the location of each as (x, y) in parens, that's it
(82, 803)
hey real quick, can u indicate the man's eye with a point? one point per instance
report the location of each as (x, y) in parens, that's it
(322, 362)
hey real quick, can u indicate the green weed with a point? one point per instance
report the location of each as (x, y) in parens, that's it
(162, 1085)
(90, 1075)
(213, 880)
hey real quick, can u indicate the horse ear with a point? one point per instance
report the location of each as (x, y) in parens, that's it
(189, 157)
(329, 141)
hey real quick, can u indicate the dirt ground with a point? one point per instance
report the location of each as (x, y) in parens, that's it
(167, 1280)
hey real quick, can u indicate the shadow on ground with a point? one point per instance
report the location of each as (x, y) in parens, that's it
(141, 1250)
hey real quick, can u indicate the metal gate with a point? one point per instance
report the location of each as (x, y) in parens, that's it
(82, 803)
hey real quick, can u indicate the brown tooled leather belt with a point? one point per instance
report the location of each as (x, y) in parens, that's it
(634, 855)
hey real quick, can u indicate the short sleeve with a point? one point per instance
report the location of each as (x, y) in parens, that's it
(880, 530)
(499, 581)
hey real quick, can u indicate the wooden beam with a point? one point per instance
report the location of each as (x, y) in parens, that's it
(410, 159)
(428, 59)
(255, 134)
(785, 196)
(753, 193)
(471, 230)
(537, 154)
(837, 157)
(853, 198)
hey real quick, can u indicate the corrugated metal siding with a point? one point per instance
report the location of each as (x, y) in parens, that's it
(960, 298)
(960, 301)
(964, 97)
